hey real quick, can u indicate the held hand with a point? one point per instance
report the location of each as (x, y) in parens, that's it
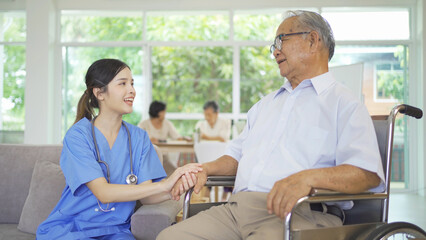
(286, 192)
(186, 182)
(186, 170)
(199, 179)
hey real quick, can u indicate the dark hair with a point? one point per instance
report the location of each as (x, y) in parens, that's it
(99, 74)
(213, 105)
(155, 108)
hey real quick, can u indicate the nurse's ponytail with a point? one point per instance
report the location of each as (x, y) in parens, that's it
(84, 107)
(99, 74)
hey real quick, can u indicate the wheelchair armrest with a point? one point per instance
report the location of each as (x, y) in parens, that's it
(324, 195)
(226, 181)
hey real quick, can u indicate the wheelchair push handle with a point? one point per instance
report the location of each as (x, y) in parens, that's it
(410, 111)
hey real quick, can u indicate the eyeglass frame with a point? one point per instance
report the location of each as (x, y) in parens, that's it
(280, 43)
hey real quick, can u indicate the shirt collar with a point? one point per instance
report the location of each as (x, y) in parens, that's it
(322, 82)
(319, 83)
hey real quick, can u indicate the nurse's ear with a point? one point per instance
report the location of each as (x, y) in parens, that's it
(98, 94)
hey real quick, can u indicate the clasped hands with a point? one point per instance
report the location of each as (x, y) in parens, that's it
(280, 200)
(182, 178)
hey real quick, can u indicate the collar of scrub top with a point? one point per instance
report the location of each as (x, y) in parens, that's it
(131, 179)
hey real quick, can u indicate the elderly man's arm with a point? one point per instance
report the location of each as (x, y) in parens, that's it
(343, 178)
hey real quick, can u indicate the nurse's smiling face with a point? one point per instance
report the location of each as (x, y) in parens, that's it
(119, 95)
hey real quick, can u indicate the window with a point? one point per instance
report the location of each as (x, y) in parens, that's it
(12, 76)
(259, 75)
(185, 77)
(255, 26)
(389, 81)
(186, 58)
(77, 57)
(368, 23)
(88, 26)
(187, 26)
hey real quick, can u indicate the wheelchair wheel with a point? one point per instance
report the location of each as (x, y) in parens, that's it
(397, 230)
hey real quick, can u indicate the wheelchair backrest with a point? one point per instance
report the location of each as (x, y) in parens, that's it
(381, 126)
(365, 211)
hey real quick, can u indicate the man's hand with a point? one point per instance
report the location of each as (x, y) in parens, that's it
(182, 185)
(286, 192)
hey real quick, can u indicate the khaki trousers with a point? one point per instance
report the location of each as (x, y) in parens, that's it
(245, 217)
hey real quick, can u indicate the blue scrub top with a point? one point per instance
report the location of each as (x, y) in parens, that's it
(75, 217)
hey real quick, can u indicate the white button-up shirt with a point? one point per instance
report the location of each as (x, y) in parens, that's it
(318, 124)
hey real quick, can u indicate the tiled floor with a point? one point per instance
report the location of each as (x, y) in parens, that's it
(408, 208)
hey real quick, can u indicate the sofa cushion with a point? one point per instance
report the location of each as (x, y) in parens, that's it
(17, 163)
(47, 184)
(9, 231)
(149, 220)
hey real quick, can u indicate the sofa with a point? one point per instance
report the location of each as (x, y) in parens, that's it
(31, 183)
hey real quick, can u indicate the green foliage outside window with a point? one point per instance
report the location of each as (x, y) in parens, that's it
(259, 75)
(188, 27)
(13, 104)
(256, 26)
(390, 76)
(186, 77)
(13, 29)
(89, 28)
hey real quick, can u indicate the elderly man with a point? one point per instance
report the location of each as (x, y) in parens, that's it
(311, 133)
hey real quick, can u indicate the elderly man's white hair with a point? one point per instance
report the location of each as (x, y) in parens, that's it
(314, 21)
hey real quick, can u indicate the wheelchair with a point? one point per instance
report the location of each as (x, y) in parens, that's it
(367, 219)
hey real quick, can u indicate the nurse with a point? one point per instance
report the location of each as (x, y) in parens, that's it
(99, 154)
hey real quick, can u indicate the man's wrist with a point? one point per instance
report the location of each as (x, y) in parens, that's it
(205, 168)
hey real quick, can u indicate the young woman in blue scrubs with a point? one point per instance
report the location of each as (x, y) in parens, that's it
(97, 202)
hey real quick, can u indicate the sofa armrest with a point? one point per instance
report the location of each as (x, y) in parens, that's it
(149, 220)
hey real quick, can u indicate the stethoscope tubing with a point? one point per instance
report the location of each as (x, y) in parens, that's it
(98, 156)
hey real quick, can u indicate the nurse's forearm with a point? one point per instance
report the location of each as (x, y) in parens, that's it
(107, 193)
(161, 197)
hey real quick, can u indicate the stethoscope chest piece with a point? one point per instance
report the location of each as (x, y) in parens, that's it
(131, 179)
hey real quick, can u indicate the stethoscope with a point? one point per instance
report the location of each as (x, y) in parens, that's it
(131, 179)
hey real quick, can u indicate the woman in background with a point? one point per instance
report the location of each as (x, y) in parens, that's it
(213, 127)
(108, 163)
(159, 130)
(157, 126)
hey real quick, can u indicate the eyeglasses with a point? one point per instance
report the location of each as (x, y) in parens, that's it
(279, 42)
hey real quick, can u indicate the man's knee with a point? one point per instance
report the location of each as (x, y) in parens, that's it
(165, 234)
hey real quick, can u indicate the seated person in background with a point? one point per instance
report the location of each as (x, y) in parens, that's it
(159, 129)
(213, 128)
(311, 133)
